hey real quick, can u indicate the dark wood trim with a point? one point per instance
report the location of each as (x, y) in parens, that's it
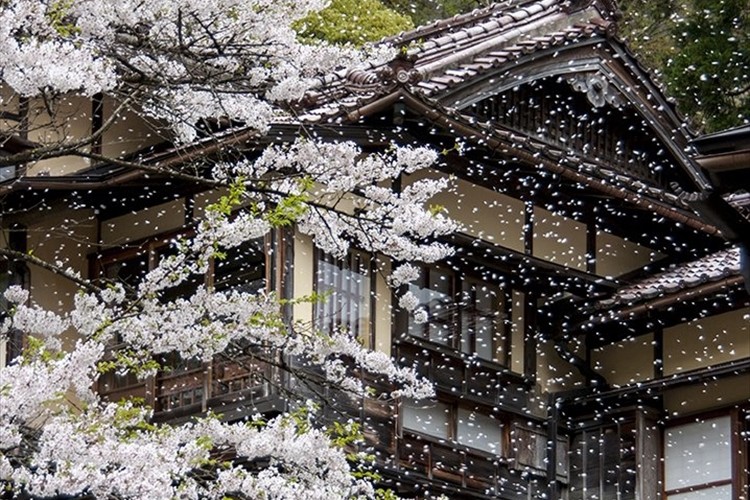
(373, 271)
(189, 209)
(23, 117)
(97, 121)
(529, 337)
(653, 388)
(591, 240)
(528, 227)
(698, 487)
(507, 327)
(658, 352)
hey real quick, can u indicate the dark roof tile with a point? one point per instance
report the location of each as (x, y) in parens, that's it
(714, 267)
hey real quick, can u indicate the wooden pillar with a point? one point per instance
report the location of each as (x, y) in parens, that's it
(529, 336)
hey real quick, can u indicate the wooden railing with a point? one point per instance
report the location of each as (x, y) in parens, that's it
(461, 375)
(197, 388)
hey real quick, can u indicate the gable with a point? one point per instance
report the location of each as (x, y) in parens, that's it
(588, 98)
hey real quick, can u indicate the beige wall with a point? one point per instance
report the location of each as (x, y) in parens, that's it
(626, 362)
(70, 120)
(66, 238)
(707, 395)
(517, 333)
(383, 307)
(148, 222)
(616, 256)
(304, 276)
(486, 214)
(202, 200)
(8, 104)
(127, 134)
(706, 342)
(554, 374)
(559, 239)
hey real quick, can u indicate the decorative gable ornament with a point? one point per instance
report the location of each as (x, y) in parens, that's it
(597, 89)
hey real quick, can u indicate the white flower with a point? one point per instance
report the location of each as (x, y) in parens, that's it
(408, 301)
(403, 274)
(420, 316)
(16, 295)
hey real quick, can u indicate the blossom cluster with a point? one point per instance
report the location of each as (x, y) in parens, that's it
(184, 62)
(187, 59)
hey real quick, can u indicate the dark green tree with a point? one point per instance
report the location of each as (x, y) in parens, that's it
(425, 11)
(710, 72)
(353, 21)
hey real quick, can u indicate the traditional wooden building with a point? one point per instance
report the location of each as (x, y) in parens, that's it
(590, 339)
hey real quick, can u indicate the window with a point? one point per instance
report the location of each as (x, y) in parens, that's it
(469, 427)
(463, 312)
(347, 285)
(698, 460)
(479, 431)
(243, 269)
(427, 417)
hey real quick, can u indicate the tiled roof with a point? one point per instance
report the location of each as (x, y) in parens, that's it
(712, 268)
(450, 52)
(740, 202)
(488, 61)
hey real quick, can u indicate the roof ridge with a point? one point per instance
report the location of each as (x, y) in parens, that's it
(460, 21)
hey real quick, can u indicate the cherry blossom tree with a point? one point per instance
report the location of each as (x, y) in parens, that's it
(196, 71)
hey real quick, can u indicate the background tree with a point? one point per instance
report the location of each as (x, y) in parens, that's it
(353, 21)
(425, 11)
(710, 73)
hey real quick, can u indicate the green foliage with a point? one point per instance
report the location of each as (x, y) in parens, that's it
(36, 349)
(343, 435)
(232, 200)
(701, 48)
(128, 361)
(131, 420)
(301, 418)
(710, 75)
(352, 21)
(385, 494)
(288, 210)
(425, 11)
(57, 13)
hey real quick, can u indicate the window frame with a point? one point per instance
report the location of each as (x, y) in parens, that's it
(320, 310)
(151, 247)
(454, 409)
(458, 279)
(737, 479)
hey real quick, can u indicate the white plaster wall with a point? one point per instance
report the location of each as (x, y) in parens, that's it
(559, 239)
(486, 214)
(626, 362)
(616, 256)
(706, 342)
(150, 221)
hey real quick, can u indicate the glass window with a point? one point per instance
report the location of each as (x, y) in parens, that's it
(483, 328)
(479, 431)
(427, 417)
(243, 269)
(346, 284)
(463, 312)
(715, 493)
(697, 456)
(128, 270)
